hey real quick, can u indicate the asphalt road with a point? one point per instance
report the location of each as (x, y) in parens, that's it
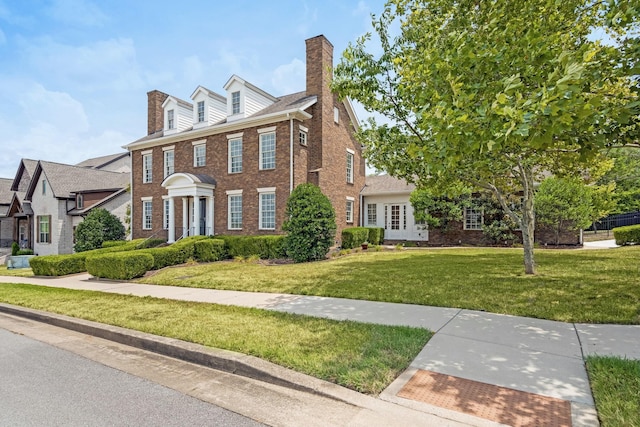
(41, 385)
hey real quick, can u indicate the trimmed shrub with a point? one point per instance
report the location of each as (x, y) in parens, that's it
(113, 243)
(354, 236)
(149, 243)
(25, 252)
(376, 235)
(119, 265)
(15, 248)
(627, 235)
(266, 247)
(58, 265)
(310, 224)
(166, 256)
(98, 226)
(209, 250)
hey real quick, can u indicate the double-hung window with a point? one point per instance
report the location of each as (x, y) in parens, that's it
(267, 208)
(372, 214)
(147, 168)
(350, 166)
(200, 111)
(44, 229)
(235, 103)
(199, 155)
(147, 212)
(473, 219)
(169, 167)
(349, 215)
(267, 150)
(234, 199)
(165, 214)
(171, 123)
(235, 155)
(303, 135)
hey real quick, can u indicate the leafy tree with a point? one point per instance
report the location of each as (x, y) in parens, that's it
(492, 93)
(438, 207)
(99, 226)
(310, 224)
(566, 204)
(625, 176)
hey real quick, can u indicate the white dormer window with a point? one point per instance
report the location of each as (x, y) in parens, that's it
(200, 111)
(235, 102)
(171, 122)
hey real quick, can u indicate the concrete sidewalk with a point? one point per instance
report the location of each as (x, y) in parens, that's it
(515, 369)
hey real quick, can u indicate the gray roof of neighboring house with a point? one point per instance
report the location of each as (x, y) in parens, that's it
(5, 191)
(100, 162)
(27, 166)
(385, 184)
(64, 180)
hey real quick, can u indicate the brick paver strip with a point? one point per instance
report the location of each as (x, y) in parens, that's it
(488, 401)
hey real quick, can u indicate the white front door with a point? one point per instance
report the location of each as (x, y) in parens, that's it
(395, 221)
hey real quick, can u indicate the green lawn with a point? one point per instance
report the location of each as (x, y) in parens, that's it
(616, 390)
(15, 272)
(591, 286)
(364, 357)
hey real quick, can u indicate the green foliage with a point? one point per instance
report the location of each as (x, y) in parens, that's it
(167, 256)
(438, 207)
(500, 231)
(15, 247)
(98, 226)
(150, 243)
(113, 243)
(265, 247)
(493, 98)
(310, 224)
(58, 265)
(353, 237)
(119, 265)
(615, 383)
(627, 235)
(25, 252)
(376, 235)
(210, 250)
(624, 175)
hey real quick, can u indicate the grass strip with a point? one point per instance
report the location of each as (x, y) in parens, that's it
(363, 357)
(15, 272)
(615, 384)
(588, 286)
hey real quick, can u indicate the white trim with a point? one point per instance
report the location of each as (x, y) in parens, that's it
(169, 148)
(146, 199)
(303, 128)
(266, 190)
(349, 150)
(269, 129)
(351, 198)
(235, 135)
(199, 142)
(145, 152)
(233, 192)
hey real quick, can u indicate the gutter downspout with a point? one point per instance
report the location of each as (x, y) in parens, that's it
(290, 154)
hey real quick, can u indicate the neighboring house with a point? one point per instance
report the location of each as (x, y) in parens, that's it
(226, 164)
(386, 204)
(50, 199)
(6, 223)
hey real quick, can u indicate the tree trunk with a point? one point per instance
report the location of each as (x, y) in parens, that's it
(528, 224)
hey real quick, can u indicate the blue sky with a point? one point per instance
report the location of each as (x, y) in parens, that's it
(74, 73)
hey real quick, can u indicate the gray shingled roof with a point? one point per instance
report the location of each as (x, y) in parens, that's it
(98, 162)
(5, 191)
(385, 184)
(67, 179)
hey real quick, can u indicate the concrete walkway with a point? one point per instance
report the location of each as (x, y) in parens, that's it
(506, 358)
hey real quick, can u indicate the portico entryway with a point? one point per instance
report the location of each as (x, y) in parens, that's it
(195, 192)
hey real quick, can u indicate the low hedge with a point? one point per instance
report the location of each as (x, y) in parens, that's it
(209, 250)
(627, 235)
(376, 235)
(119, 265)
(354, 236)
(58, 265)
(266, 247)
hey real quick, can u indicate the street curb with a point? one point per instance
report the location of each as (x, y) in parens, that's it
(218, 359)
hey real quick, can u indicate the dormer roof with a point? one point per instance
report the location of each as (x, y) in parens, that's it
(235, 79)
(208, 92)
(178, 101)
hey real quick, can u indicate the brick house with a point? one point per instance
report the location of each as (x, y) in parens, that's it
(226, 164)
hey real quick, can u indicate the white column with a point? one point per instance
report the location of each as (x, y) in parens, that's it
(196, 216)
(185, 216)
(172, 222)
(210, 214)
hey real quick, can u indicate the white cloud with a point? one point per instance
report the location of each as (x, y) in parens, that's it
(289, 78)
(77, 12)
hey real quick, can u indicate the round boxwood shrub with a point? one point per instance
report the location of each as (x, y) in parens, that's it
(310, 224)
(99, 226)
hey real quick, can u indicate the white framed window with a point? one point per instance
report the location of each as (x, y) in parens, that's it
(350, 166)
(80, 201)
(165, 214)
(473, 219)
(44, 187)
(268, 150)
(169, 163)
(235, 155)
(349, 215)
(303, 135)
(372, 214)
(235, 102)
(171, 122)
(147, 168)
(147, 211)
(200, 111)
(234, 220)
(199, 155)
(267, 208)
(44, 229)
(336, 115)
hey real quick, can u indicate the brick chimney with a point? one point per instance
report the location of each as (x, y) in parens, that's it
(155, 114)
(319, 66)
